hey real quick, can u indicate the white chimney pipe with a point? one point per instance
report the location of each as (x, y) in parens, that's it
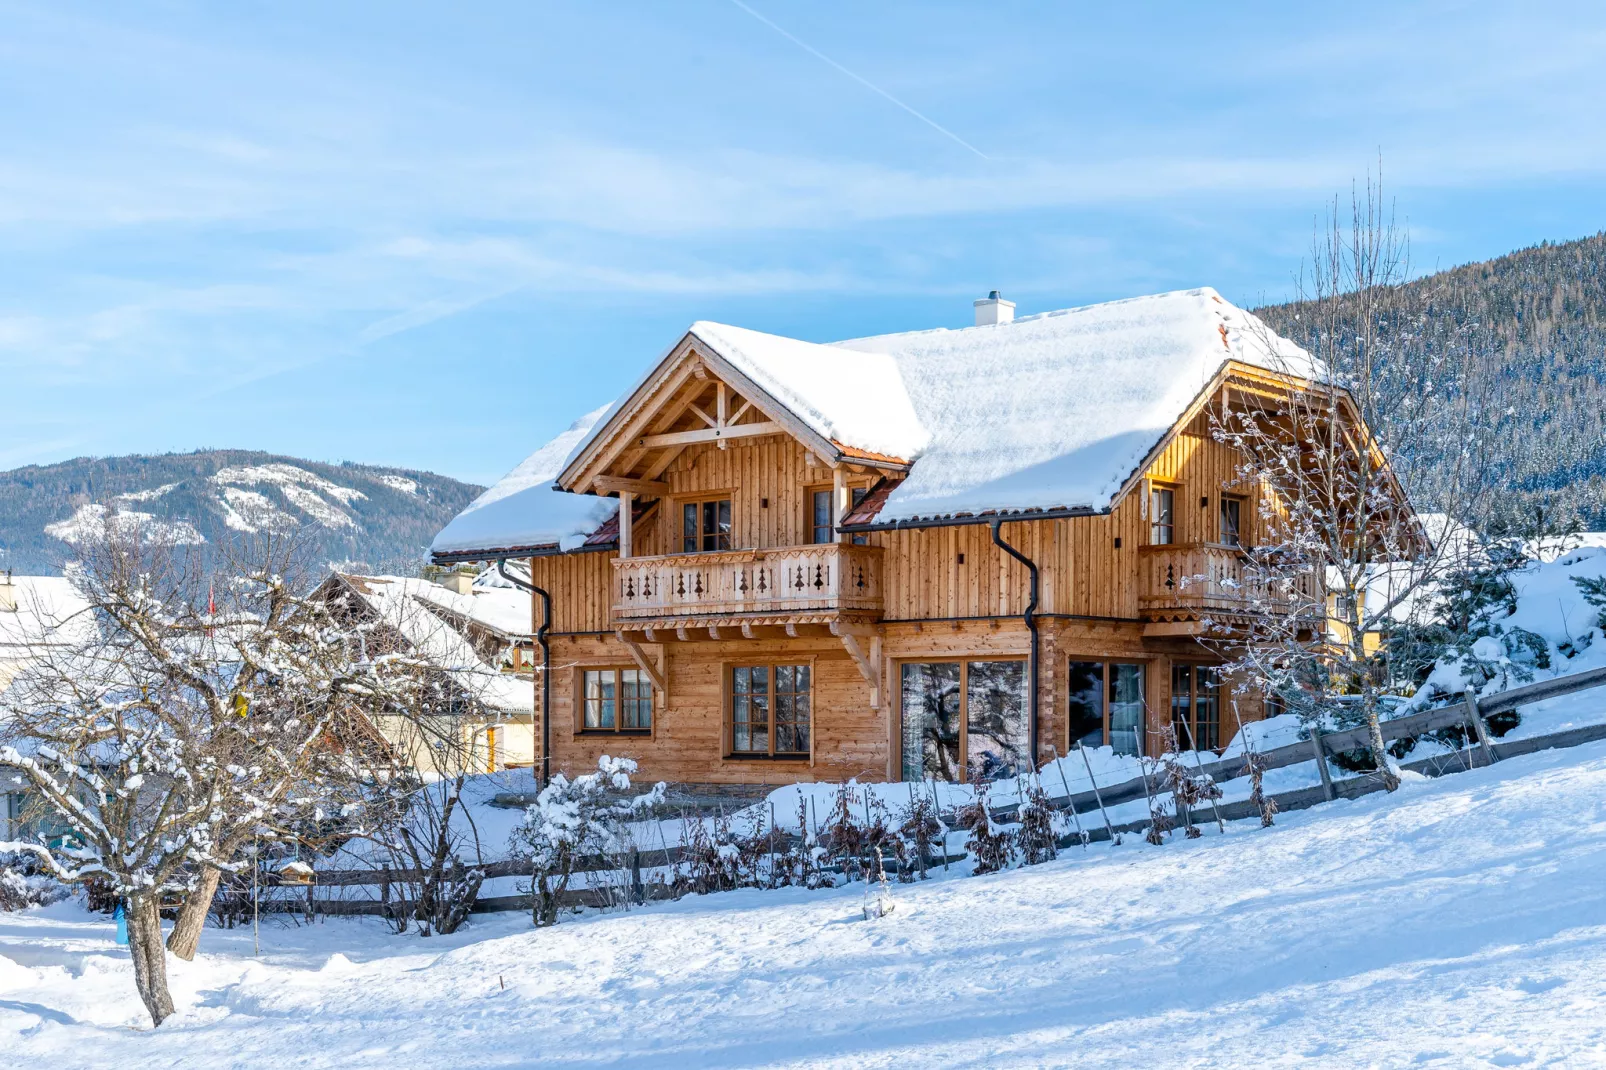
(994, 309)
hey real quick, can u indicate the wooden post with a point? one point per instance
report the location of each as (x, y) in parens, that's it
(626, 521)
(839, 501)
(1479, 726)
(1070, 803)
(1321, 762)
(638, 891)
(1097, 797)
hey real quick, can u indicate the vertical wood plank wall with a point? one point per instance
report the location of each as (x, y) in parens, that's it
(1089, 595)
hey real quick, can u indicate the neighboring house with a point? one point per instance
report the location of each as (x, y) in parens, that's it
(774, 560)
(37, 614)
(466, 632)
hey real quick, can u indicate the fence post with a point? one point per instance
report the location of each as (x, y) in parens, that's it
(638, 891)
(1480, 726)
(1321, 761)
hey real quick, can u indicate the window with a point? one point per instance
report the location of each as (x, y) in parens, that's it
(1162, 519)
(705, 526)
(1106, 705)
(617, 700)
(964, 718)
(1232, 512)
(822, 527)
(770, 707)
(1196, 706)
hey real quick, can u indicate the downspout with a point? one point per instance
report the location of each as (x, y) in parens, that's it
(1030, 617)
(545, 775)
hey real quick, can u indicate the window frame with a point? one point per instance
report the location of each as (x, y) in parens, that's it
(856, 494)
(727, 673)
(1240, 536)
(700, 502)
(618, 670)
(1194, 668)
(1106, 682)
(963, 661)
(1172, 491)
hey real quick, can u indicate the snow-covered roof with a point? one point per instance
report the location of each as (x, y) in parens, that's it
(1052, 411)
(400, 603)
(503, 608)
(49, 610)
(1057, 410)
(853, 399)
(522, 511)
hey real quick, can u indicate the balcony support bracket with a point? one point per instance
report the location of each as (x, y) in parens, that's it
(654, 671)
(869, 663)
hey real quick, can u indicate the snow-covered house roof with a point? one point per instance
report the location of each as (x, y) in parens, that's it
(404, 604)
(38, 612)
(1051, 411)
(522, 511)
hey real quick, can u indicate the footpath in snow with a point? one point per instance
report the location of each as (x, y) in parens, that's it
(1458, 923)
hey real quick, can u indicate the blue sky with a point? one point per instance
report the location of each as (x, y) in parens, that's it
(430, 235)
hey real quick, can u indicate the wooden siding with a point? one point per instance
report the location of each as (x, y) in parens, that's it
(948, 592)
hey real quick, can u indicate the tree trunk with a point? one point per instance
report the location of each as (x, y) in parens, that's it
(150, 957)
(186, 934)
(1374, 730)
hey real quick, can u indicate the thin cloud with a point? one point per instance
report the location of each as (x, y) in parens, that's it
(817, 54)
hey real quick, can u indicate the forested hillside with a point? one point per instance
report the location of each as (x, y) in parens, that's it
(375, 519)
(1539, 316)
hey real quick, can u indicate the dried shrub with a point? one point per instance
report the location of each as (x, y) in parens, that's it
(991, 846)
(1039, 837)
(921, 828)
(1255, 766)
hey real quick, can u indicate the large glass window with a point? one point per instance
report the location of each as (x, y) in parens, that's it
(1126, 708)
(965, 718)
(1085, 687)
(705, 526)
(617, 700)
(770, 710)
(996, 741)
(931, 720)
(1196, 706)
(1105, 705)
(1162, 516)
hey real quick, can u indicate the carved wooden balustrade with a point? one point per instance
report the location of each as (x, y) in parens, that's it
(1185, 581)
(828, 577)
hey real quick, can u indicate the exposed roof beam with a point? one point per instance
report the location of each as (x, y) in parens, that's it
(709, 434)
(651, 488)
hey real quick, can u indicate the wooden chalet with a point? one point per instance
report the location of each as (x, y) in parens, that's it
(914, 555)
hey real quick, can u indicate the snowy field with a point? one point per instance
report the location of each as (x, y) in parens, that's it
(1459, 923)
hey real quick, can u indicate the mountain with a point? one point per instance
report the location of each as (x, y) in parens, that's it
(1540, 313)
(353, 515)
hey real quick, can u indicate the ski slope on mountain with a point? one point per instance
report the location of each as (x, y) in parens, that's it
(1460, 922)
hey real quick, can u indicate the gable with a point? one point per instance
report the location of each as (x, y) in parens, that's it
(705, 393)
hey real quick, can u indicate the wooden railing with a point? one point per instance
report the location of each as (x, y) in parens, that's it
(793, 579)
(1208, 576)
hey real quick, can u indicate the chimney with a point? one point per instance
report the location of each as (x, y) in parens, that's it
(460, 582)
(994, 309)
(8, 593)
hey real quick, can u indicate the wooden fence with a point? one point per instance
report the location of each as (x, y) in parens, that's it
(1471, 714)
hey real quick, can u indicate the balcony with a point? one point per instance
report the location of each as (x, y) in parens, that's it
(816, 584)
(1182, 584)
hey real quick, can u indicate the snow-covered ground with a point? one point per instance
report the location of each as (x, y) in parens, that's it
(1458, 923)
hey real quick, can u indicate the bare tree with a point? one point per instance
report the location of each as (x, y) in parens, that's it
(186, 719)
(1369, 469)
